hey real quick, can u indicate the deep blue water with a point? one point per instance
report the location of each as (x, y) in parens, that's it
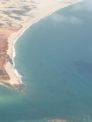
(54, 57)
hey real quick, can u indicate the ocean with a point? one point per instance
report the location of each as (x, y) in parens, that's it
(54, 57)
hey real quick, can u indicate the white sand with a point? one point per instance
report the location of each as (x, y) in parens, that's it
(44, 8)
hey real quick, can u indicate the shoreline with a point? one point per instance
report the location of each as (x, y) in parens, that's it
(15, 36)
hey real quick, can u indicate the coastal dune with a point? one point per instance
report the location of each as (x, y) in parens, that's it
(19, 18)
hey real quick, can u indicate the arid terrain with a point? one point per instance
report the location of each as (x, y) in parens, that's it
(15, 17)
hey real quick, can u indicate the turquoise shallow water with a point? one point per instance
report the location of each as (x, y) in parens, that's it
(54, 57)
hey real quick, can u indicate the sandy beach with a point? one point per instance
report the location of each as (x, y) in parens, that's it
(43, 9)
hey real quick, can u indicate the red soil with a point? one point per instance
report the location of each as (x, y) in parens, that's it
(5, 32)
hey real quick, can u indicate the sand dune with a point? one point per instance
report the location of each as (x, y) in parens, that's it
(17, 16)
